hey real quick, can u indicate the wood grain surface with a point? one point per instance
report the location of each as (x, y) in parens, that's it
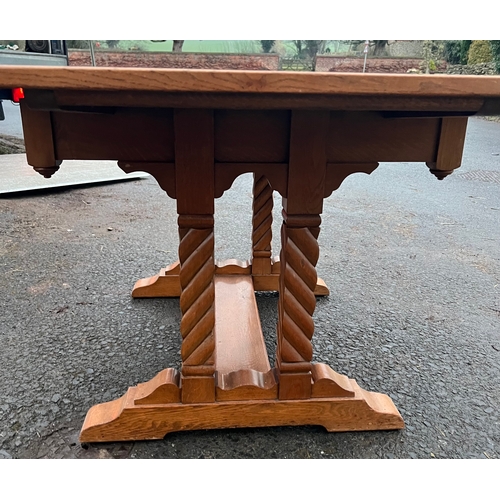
(39, 140)
(122, 420)
(190, 80)
(451, 145)
(243, 370)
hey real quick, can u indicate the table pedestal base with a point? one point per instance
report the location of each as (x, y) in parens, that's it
(246, 387)
(123, 420)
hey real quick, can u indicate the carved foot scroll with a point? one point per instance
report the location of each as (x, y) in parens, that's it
(164, 284)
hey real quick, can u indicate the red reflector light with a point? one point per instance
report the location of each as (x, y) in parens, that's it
(17, 94)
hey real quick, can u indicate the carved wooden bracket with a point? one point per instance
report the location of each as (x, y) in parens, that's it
(336, 173)
(164, 173)
(226, 173)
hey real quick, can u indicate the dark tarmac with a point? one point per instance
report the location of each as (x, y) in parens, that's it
(413, 265)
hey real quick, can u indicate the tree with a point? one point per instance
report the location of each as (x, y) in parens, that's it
(379, 46)
(266, 45)
(464, 51)
(495, 53)
(452, 51)
(176, 46)
(309, 49)
(315, 47)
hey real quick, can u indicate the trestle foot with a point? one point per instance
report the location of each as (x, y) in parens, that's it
(124, 420)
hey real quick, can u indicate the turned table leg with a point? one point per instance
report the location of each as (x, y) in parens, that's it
(265, 268)
(262, 220)
(299, 255)
(196, 253)
(195, 185)
(300, 251)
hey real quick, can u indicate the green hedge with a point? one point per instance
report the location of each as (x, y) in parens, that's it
(479, 52)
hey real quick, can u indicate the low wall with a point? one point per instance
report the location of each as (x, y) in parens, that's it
(189, 60)
(472, 69)
(373, 64)
(139, 59)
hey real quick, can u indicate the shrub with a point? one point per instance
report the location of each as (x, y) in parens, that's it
(479, 52)
(464, 50)
(432, 51)
(495, 53)
(77, 44)
(266, 45)
(112, 44)
(452, 51)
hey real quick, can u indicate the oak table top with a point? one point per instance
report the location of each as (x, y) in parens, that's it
(460, 93)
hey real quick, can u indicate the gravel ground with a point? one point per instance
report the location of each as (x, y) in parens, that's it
(413, 265)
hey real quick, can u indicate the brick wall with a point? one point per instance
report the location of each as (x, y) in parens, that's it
(171, 60)
(141, 59)
(373, 65)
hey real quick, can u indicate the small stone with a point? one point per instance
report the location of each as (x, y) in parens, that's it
(56, 398)
(5, 455)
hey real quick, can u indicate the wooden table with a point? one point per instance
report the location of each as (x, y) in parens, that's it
(195, 131)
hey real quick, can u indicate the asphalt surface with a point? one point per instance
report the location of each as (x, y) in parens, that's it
(413, 265)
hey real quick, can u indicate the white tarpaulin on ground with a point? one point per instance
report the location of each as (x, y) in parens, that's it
(17, 176)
